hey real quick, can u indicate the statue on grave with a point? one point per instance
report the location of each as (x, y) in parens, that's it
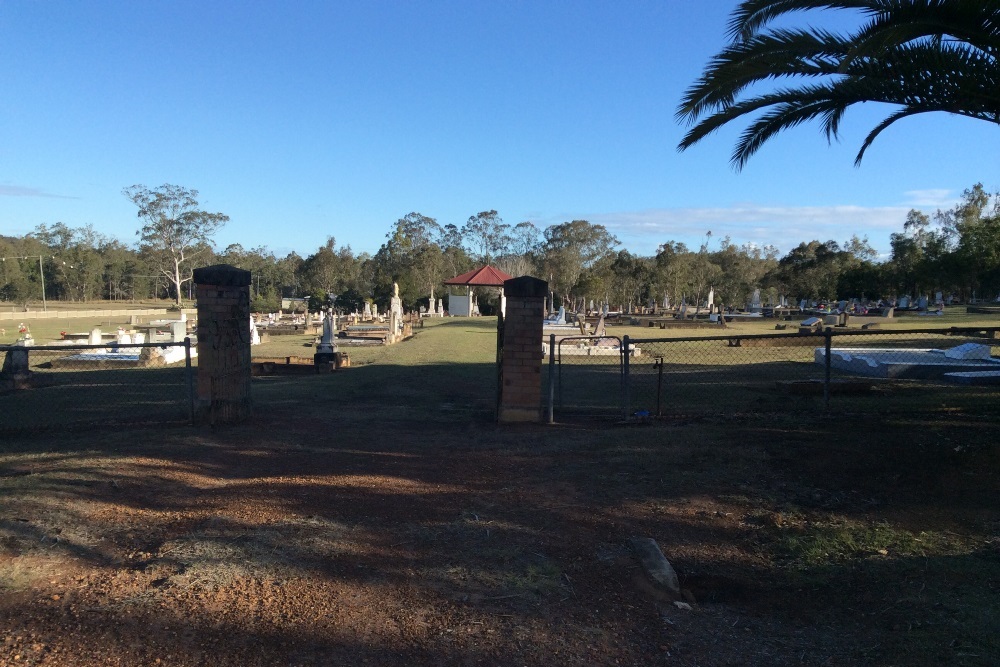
(326, 351)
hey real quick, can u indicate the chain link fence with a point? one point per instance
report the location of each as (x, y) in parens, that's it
(70, 386)
(928, 371)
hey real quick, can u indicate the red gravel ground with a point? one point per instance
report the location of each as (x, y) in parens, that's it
(351, 533)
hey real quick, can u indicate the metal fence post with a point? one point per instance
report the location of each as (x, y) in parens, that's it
(190, 377)
(828, 334)
(552, 378)
(626, 346)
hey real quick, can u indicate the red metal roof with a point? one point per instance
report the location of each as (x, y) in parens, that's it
(484, 277)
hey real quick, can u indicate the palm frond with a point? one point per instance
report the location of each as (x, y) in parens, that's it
(922, 55)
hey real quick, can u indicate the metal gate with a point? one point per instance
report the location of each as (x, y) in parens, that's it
(585, 378)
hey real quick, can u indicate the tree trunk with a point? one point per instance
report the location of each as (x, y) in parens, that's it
(177, 281)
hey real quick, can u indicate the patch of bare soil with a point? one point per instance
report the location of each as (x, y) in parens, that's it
(297, 541)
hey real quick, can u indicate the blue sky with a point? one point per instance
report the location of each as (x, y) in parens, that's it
(304, 120)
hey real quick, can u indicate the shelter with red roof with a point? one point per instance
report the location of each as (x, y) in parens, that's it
(463, 303)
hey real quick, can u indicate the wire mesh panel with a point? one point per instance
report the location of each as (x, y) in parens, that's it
(724, 375)
(55, 387)
(953, 371)
(588, 377)
(932, 371)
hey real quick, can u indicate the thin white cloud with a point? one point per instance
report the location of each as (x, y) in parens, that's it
(780, 226)
(22, 191)
(935, 197)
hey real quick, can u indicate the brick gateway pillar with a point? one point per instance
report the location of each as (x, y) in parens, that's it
(520, 348)
(223, 294)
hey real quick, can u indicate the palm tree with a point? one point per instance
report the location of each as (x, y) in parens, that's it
(922, 55)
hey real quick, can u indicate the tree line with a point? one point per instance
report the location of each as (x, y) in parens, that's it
(956, 251)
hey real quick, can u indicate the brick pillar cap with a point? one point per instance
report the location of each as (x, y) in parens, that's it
(222, 275)
(525, 286)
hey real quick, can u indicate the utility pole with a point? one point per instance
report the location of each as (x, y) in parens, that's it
(41, 273)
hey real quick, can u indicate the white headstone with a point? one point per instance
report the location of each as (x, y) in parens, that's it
(254, 334)
(711, 296)
(440, 308)
(95, 336)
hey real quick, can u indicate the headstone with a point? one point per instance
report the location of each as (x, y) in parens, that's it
(922, 303)
(395, 311)
(802, 305)
(440, 308)
(711, 297)
(95, 336)
(938, 297)
(326, 351)
(904, 302)
(367, 314)
(600, 330)
(178, 332)
(755, 301)
(254, 334)
(561, 317)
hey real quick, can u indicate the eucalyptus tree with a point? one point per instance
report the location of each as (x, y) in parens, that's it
(670, 270)
(175, 229)
(569, 249)
(410, 257)
(486, 235)
(519, 258)
(917, 55)
(976, 224)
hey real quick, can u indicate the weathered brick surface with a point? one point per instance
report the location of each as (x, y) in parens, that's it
(224, 345)
(521, 389)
